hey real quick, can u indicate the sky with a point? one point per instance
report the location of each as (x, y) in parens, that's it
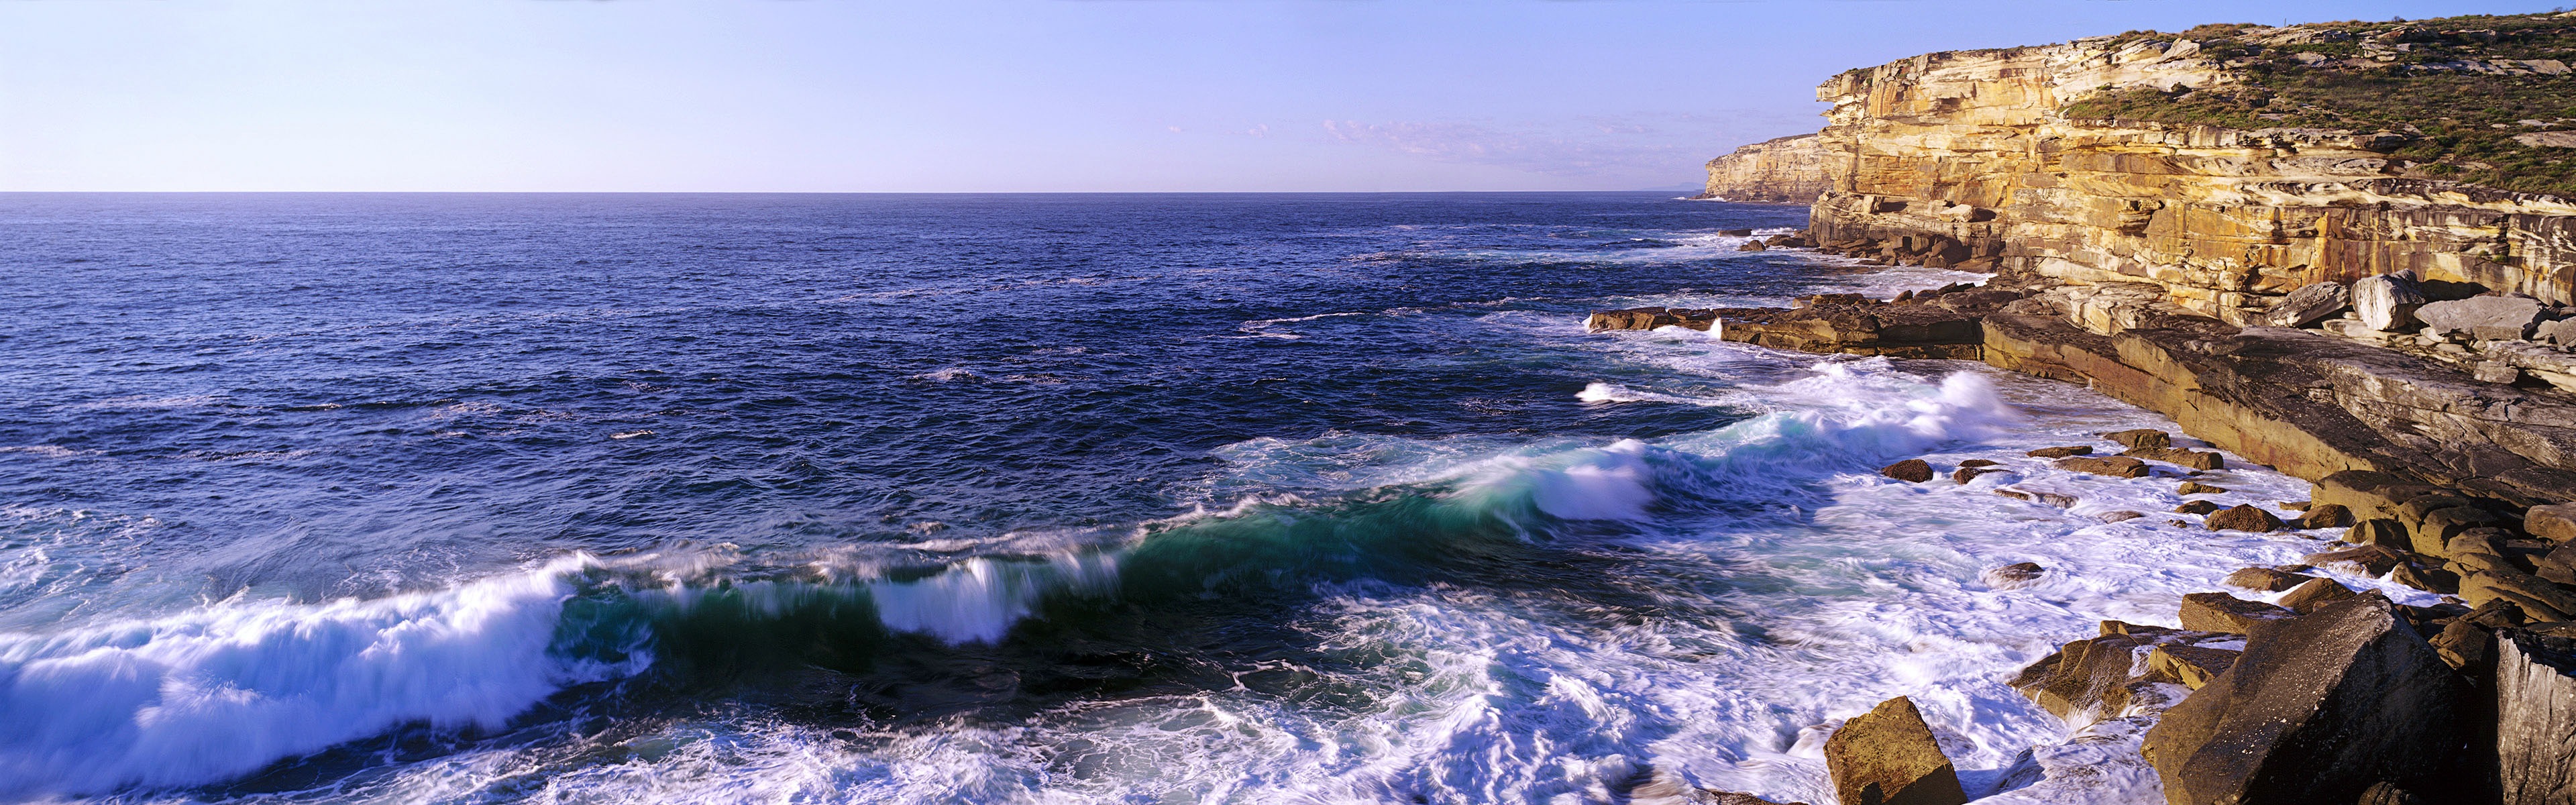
(970, 95)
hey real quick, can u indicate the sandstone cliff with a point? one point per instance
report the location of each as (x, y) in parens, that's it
(1788, 170)
(1977, 147)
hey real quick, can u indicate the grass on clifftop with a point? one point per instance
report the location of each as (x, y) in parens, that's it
(2461, 88)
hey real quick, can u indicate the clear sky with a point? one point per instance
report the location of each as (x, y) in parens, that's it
(970, 95)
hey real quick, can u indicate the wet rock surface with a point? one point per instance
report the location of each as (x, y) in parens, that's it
(1888, 757)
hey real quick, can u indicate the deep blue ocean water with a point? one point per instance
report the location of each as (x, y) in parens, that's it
(1150, 498)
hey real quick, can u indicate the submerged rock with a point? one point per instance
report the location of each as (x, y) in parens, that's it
(2198, 507)
(1888, 757)
(2061, 452)
(2116, 466)
(2018, 574)
(2318, 709)
(2198, 488)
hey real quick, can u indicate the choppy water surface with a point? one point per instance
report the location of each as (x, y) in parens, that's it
(1005, 499)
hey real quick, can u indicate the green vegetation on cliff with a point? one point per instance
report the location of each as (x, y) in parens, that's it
(2476, 96)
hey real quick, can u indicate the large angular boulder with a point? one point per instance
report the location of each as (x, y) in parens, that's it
(2308, 305)
(2388, 302)
(2555, 522)
(2318, 709)
(1888, 757)
(2483, 318)
(2535, 713)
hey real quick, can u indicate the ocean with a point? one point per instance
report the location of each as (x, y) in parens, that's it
(1012, 498)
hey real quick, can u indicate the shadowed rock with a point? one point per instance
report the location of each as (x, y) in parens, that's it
(2317, 710)
(2141, 439)
(2061, 452)
(2308, 305)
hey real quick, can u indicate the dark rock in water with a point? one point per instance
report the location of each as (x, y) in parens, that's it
(2265, 579)
(2015, 494)
(2116, 466)
(2535, 714)
(2330, 515)
(2374, 559)
(2318, 709)
(1966, 474)
(2141, 438)
(2383, 532)
(2308, 305)
(1735, 233)
(2019, 574)
(1888, 757)
(2119, 516)
(2316, 593)
(2198, 507)
(2244, 518)
(2061, 452)
(2198, 488)
(1912, 470)
(1979, 462)
(2220, 612)
(2195, 459)
(1752, 246)
(1648, 318)
(2191, 666)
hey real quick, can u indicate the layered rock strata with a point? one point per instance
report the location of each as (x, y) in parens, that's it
(1971, 147)
(1788, 170)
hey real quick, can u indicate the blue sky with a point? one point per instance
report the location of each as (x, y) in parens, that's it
(969, 95)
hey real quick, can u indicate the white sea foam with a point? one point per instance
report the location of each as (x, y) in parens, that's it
(978, 600)
(223, 690)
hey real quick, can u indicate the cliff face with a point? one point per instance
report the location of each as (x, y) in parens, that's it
(1788, 170)
(1972, 146)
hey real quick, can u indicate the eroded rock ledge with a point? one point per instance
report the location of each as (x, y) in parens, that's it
(2449, 482)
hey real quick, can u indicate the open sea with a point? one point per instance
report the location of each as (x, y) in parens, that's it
(1012, 499)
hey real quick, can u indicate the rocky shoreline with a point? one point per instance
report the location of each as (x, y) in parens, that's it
(2444, 481)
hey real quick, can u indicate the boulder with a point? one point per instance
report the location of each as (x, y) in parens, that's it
(1751, 246)
(2482, 317)
(2317, 710)
(2141, 438)
(2375, 560)
(2308, 305)
(1888, 757)
(2244, 517)
(2198, 488)
(2465, 645)
(2220, 612)
(2195, 459)
(2498, 372)
(2331, 515)
(2119, 516)
(1966, 474)
(1912, 470)
(2383, 532)
(2316, 593)
(2535, 713)
(2557, 564)
(2191, 666)
(2061, 452)
(2440, 525)
(2561, 332)
(2115, 466)
(2199, 507)
(2265, 579)
(2555, 522)
(1979, 462)
(2388, 302)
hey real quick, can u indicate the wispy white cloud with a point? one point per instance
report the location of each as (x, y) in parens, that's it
(1640, 147)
